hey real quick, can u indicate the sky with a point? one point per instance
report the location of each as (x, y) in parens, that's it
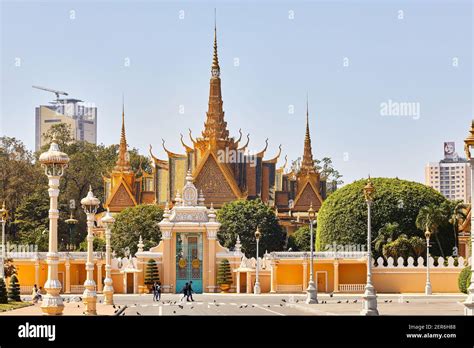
(360, 63)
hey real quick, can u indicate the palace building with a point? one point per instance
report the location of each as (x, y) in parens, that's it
(223, 169)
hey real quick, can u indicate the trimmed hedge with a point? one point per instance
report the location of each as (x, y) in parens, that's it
(342, 218)
(464, 279)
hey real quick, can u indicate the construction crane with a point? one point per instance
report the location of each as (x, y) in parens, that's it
(51, 90)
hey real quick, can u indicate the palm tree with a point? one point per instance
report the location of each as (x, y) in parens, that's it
(431, 218)
(457, 213)
(388, 233)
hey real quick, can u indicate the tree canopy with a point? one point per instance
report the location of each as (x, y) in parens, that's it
(342, 218)
(131, 223)
(241, 217)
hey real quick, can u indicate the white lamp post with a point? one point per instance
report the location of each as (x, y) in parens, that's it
(428, 290)
(108, 220)
(89, 298)
(311, 291)
(256, 288)
(3, 215)
(370, 296)
(54, 163)
(468, 147)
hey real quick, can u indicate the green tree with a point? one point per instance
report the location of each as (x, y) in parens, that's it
(19, 177)
(224, 273)
(151, 274)
(456, 212)
(418, 245)
(342, 219)
(300, 239)
(14, 289)
(97, 243)
(131, 223)
(401, 247)
(241, 217)
(431, 217)
(387, 234)
(3, 292)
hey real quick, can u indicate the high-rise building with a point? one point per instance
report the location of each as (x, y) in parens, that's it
(450, 176)
(81, 117)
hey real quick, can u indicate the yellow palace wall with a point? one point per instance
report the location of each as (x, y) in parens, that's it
(288, 275)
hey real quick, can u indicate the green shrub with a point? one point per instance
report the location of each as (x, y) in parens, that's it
(342, 218)
(14, 289)
(3, 291)
(464, 279)
(151, 274)
(224, 274)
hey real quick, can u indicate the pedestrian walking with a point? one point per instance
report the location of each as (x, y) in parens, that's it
(158, 291)
(184, 291)
(190, 291)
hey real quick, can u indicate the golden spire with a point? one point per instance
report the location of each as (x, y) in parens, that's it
(215, 128)
(307, 165)
(123, 161)
(215, 59)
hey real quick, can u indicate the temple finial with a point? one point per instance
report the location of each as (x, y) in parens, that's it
(307, 164)
(123, 163)
(215, 58)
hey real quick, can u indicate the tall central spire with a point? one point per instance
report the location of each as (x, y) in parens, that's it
(307, 165)
(123, 161)
(215, 128)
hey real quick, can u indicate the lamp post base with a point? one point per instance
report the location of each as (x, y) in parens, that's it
(370, 301)
(311, 293)
(256, 289)
(108, 292)
(89, 298)
(52, 305)
(469, 304)
(428, 290)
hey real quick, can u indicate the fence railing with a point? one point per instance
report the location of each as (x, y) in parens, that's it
(318, 255)
(449, 262)
(77, 289)
(351, 287)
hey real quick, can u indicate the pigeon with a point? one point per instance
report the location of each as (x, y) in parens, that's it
(191, 307)
(385, 301)
(347, 301)
(217, 305)
(138, 313)
(338, 301)
(355, 301)
(297, 301)
(390, 301)
(78, 306)
(268, 306)
(407, 301)
(80, 298)
(180, 306)
(123, 313)
(246, 306)
(174, 312)
(283, 300)
(116, 311)
(113, 306)
(253, 306)
(281, 304)
(240, 306)
(214, 301)
(331, 294)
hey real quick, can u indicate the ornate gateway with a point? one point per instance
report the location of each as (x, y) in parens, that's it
(189, 260)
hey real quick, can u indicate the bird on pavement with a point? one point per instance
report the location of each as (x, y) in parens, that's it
(331, 294)
(355, 301)
(338, 301)
(174, 312)
(385, 301)
(347, 301)
(180, 306)
(390, 301)
(78, 306)
(138, 313)
(283, 300)
(268, 306)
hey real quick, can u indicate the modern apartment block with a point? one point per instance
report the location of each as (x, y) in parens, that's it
(81, 117)
(450, 176)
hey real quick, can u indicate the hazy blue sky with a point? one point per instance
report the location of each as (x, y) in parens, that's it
(285, 49)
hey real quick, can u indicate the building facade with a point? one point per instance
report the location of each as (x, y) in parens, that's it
(223, 169)
(81, 118)
(450, 176)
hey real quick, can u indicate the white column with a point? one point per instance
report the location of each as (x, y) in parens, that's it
(52, 302)
(108, 288)
(90, 295)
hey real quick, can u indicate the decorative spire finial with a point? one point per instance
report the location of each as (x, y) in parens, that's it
(307, 165)
(123, 162)
(215, 59)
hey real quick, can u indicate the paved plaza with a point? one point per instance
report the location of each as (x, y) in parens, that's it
(268, 304)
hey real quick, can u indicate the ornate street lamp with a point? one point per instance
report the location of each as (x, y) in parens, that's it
(54, 162)
(3, 216)
(311, 291)
(89, 298)
(71, 222)
(370, 296)
(256, 288)
(428, 283)
(108, 220)
(468, 147)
